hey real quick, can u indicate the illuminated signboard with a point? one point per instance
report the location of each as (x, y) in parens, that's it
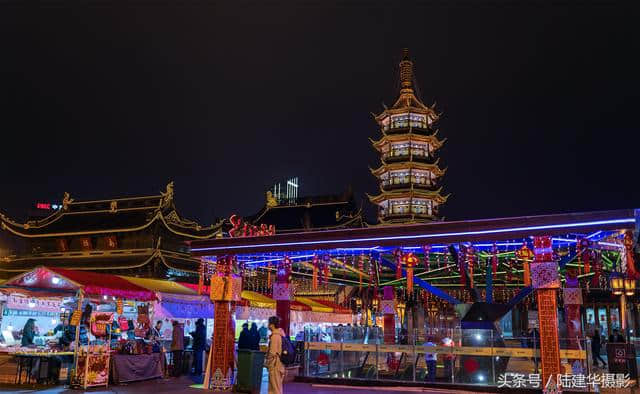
(47, 206)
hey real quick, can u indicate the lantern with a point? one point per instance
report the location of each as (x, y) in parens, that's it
(526, 255)
(410, 260)
(629, 286)
(617, 283)
(401, 307)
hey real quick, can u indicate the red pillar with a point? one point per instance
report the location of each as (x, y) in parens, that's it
(283, 294)
(546, 281)
(388, 308)
(225, 291)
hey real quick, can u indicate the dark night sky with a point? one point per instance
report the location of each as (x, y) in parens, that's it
(540, 102)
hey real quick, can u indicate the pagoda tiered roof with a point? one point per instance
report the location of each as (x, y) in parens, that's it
(411, 136)
(411, 193)
(77, 218)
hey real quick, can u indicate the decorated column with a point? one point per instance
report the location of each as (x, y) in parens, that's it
(283, 294)
(388, 309)
(226, 290)
(545, 280)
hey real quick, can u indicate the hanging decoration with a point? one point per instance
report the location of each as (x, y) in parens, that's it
(200, 278)
(494, 259)
(397, 257)
(410, 260)
(628, 247)
(461, 265)
(597, 270)
(426, 249)
(525, 255)
(471, 255)
(360, 267)
(314, 278)
(584, 253)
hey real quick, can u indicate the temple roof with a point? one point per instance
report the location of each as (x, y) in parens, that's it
(409, 193)
(311, 213)
(77, 218)
(437, 171)
(108, 260)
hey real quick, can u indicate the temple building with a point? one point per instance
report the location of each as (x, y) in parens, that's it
(408, 176)
(136, 236)
(311, 213)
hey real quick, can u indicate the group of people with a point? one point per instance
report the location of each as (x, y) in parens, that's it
(596, 344)
(249, 338)
(199, 337)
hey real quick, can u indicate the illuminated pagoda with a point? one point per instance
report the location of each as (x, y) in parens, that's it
(409, 173)
(136, 236)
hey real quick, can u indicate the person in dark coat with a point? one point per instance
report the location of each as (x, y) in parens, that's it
(244, 341)
(255, 337)
(199, 345)
(596, 345)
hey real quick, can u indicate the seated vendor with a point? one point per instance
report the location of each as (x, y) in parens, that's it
(29, 332)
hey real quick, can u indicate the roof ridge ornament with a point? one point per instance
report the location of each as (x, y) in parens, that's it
(271, 200)
(113, 206)
(66, 200)
(167, 196)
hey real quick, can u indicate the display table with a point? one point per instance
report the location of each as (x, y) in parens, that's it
(132, 368)
(26, 362)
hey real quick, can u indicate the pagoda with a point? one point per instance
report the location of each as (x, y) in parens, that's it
(408, 176)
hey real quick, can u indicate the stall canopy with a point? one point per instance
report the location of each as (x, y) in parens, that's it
(336, 308)
(91, 283)
(257, 300)
(161, 286)
(315, 306)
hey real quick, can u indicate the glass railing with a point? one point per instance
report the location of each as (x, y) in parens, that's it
(464, 357)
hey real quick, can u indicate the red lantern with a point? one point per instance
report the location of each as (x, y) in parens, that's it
(410, 260)
(525, 255)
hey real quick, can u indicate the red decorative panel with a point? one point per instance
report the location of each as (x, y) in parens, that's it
(549, 347)
(222, 347)
(389, 328)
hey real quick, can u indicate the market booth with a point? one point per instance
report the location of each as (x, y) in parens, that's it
(99, 321)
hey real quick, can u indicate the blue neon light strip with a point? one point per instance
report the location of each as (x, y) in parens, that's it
(425, 236)
(520, 296)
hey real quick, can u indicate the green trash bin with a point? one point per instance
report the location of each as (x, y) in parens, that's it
(249, 378)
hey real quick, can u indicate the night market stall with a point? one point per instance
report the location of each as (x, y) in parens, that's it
(114, 315)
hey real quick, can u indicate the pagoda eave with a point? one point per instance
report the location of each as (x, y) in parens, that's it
(410, 165)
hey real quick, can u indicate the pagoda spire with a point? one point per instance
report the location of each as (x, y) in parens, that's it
(406, 73)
